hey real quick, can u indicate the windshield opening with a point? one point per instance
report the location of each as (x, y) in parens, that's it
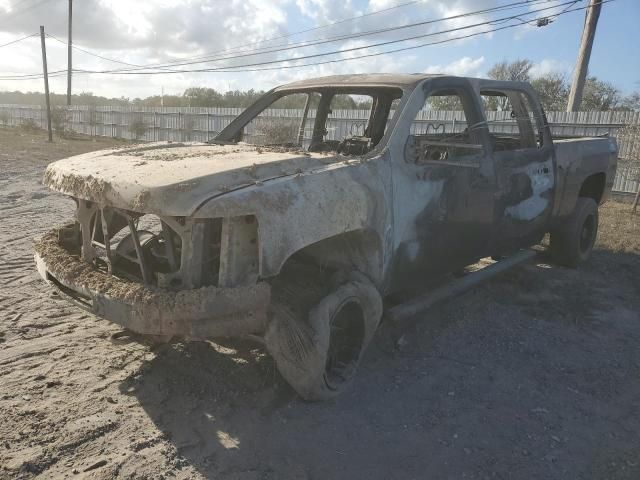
(350, 121)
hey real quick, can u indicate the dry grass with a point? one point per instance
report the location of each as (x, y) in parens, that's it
(619, 229)
(16, 144)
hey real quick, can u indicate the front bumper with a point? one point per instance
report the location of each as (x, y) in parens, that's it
(194, 314)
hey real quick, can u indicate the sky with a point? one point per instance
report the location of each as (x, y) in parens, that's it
(145, 32)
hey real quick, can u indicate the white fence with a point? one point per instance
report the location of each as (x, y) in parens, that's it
(202, 124)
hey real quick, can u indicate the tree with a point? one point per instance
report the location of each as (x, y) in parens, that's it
(632, 102)
(518, 70)
(600, 95)
(553, 91)
(553, 88)
(443, 102)
(202, 96)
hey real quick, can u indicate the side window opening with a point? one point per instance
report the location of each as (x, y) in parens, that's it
(511, 122)
(271, 127)
(443, 129)
(341, 106)
(355, 136)
(324, 121)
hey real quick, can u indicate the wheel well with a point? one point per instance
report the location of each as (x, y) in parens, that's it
(359, 250)
(593, 187)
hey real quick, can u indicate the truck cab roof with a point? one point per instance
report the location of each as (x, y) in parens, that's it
(393, 80)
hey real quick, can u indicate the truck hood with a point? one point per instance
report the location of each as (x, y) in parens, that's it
(174, 178)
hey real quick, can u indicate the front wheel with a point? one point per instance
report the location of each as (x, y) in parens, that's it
(572, 243)
(317, 343)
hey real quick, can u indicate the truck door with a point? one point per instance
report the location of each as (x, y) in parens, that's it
(523, 162)
(444, 184)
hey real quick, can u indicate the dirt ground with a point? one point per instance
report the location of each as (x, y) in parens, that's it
(533, 375)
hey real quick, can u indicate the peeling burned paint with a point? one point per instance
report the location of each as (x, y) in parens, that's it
(540, 184)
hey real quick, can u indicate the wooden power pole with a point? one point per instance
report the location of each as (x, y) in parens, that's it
(69, 44)
(582, 65)
(46, 81)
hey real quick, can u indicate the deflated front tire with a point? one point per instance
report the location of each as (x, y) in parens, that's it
(317, 335)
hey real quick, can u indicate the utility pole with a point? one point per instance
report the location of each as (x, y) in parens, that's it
(69, 43)
(582, 64)
(46, 81)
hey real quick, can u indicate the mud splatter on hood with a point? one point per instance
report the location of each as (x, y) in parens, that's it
(173, 178)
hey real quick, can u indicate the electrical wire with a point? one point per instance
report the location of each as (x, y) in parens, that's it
(347, 50)
(231, 49)
(298, 45)
(91, 53)
(403, 49)
(242, 68)
(19, 40)
(328, 25)
(33, 76)
(350, 36)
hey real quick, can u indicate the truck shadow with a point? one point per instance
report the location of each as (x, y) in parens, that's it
(210, 401)
(518, 354)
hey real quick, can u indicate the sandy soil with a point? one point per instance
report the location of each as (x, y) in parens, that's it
(533, 375)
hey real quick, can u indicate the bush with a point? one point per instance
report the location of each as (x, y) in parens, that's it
(138, 128)
(60, 118)
(4, 118)
(29, 125)
(278, 131)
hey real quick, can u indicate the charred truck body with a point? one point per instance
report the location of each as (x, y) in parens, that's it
(296, 231)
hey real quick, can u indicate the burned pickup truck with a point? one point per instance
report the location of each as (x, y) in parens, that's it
(294, 231)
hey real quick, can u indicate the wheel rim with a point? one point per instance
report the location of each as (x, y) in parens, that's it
(587, 234)
(345, 344)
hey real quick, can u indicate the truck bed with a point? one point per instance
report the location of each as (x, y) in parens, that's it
(580, 158)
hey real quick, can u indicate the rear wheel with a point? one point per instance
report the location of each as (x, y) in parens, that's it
(572, 243)
(317, 334)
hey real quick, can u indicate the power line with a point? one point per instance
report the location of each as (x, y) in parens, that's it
(75, 47)
(403, 49)
(357, 17)
(350, 36)
(33, 76)
(316, 55)
(242, 68)
(328, 25)
(18, 40)
(289, 46)
(302, 44)
(97, 55)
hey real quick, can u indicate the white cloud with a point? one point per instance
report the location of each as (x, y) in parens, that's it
(149, 32)
(549, 65)
(465, 66)
(325, 11)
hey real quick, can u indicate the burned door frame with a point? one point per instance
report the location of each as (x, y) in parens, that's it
(524, 176)
(443, 208)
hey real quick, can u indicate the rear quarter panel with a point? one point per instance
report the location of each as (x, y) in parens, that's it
(577, 159)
